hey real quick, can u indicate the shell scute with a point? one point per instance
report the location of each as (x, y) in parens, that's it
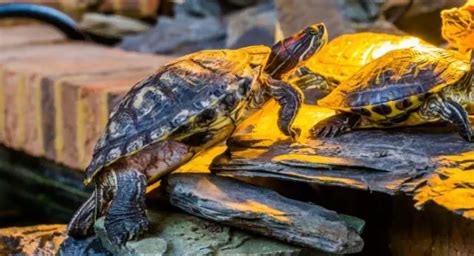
(397, 76)
(176, 102)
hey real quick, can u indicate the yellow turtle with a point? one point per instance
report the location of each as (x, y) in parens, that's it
(404, 87)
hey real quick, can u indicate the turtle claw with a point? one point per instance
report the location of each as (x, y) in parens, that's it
(325, 130)
(334, 126)
(124, 229)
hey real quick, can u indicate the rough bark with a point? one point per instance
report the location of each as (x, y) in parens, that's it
(265, 212)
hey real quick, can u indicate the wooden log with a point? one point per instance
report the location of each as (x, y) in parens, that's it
(264, 211)
(430, 163)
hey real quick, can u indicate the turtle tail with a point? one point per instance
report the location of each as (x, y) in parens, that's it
(82, 223)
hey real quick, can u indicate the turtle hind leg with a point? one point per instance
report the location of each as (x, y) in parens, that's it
(335, 125)
(126, 218)
(451, 111)
(82, 223)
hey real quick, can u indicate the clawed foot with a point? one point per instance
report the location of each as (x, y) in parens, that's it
(326, 130)
(121, 229)
(334, 126)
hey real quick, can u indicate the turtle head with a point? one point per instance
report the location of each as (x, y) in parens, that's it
(293, 51)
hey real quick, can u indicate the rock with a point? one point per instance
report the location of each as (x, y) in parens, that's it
(32, 240)
(361, 10)
(113, 26)
(88, 246)
(143, 246)
(264, 212)
(340, 17)
(294, 15)
(242, 3)
(197, 8)
(251, 26)
(179, 234)
(431, 164)
(178, 36)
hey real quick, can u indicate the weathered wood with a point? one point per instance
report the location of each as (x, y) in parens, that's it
(263, 211)
(431, 163)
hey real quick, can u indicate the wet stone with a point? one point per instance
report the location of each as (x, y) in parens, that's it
(173, 233)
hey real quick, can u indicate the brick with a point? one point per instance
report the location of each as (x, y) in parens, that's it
(33, 140)
(55, 98)
(85, 112)
(27, 35)
(14, 91)
(43, 71)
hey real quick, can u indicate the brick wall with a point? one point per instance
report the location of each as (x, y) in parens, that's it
(55, 95)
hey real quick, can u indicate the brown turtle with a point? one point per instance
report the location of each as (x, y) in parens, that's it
(182, 109)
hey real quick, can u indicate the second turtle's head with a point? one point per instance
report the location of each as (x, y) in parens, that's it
(291, 52)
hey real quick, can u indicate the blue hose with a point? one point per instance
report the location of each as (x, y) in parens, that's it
(45, 14)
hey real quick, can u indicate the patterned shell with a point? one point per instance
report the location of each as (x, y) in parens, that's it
(176, 93)
(344, 55)
(401, 78)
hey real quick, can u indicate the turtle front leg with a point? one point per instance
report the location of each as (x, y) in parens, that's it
(335, 125)
(126, 218)
(451, 111)
(290, 99)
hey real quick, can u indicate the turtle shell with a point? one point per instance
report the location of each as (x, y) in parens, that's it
(398, 81)
(208, 83)
(344, 55)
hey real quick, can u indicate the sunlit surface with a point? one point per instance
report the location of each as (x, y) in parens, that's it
(387, 161)
(263, 124)
(390, 46)
(344, 55)
(215, 192)
(458, 27)
(452, 188)
(201, 162)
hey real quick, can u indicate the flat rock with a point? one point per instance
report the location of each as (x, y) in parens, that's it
(114, 26)
(178, 36)
(432, 163)
(263, 211)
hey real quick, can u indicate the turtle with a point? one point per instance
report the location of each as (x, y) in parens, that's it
(344, 55)
(179, 111)
(458, 27)
(404, 87)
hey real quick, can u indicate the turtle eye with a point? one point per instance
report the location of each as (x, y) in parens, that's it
(311, 31)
